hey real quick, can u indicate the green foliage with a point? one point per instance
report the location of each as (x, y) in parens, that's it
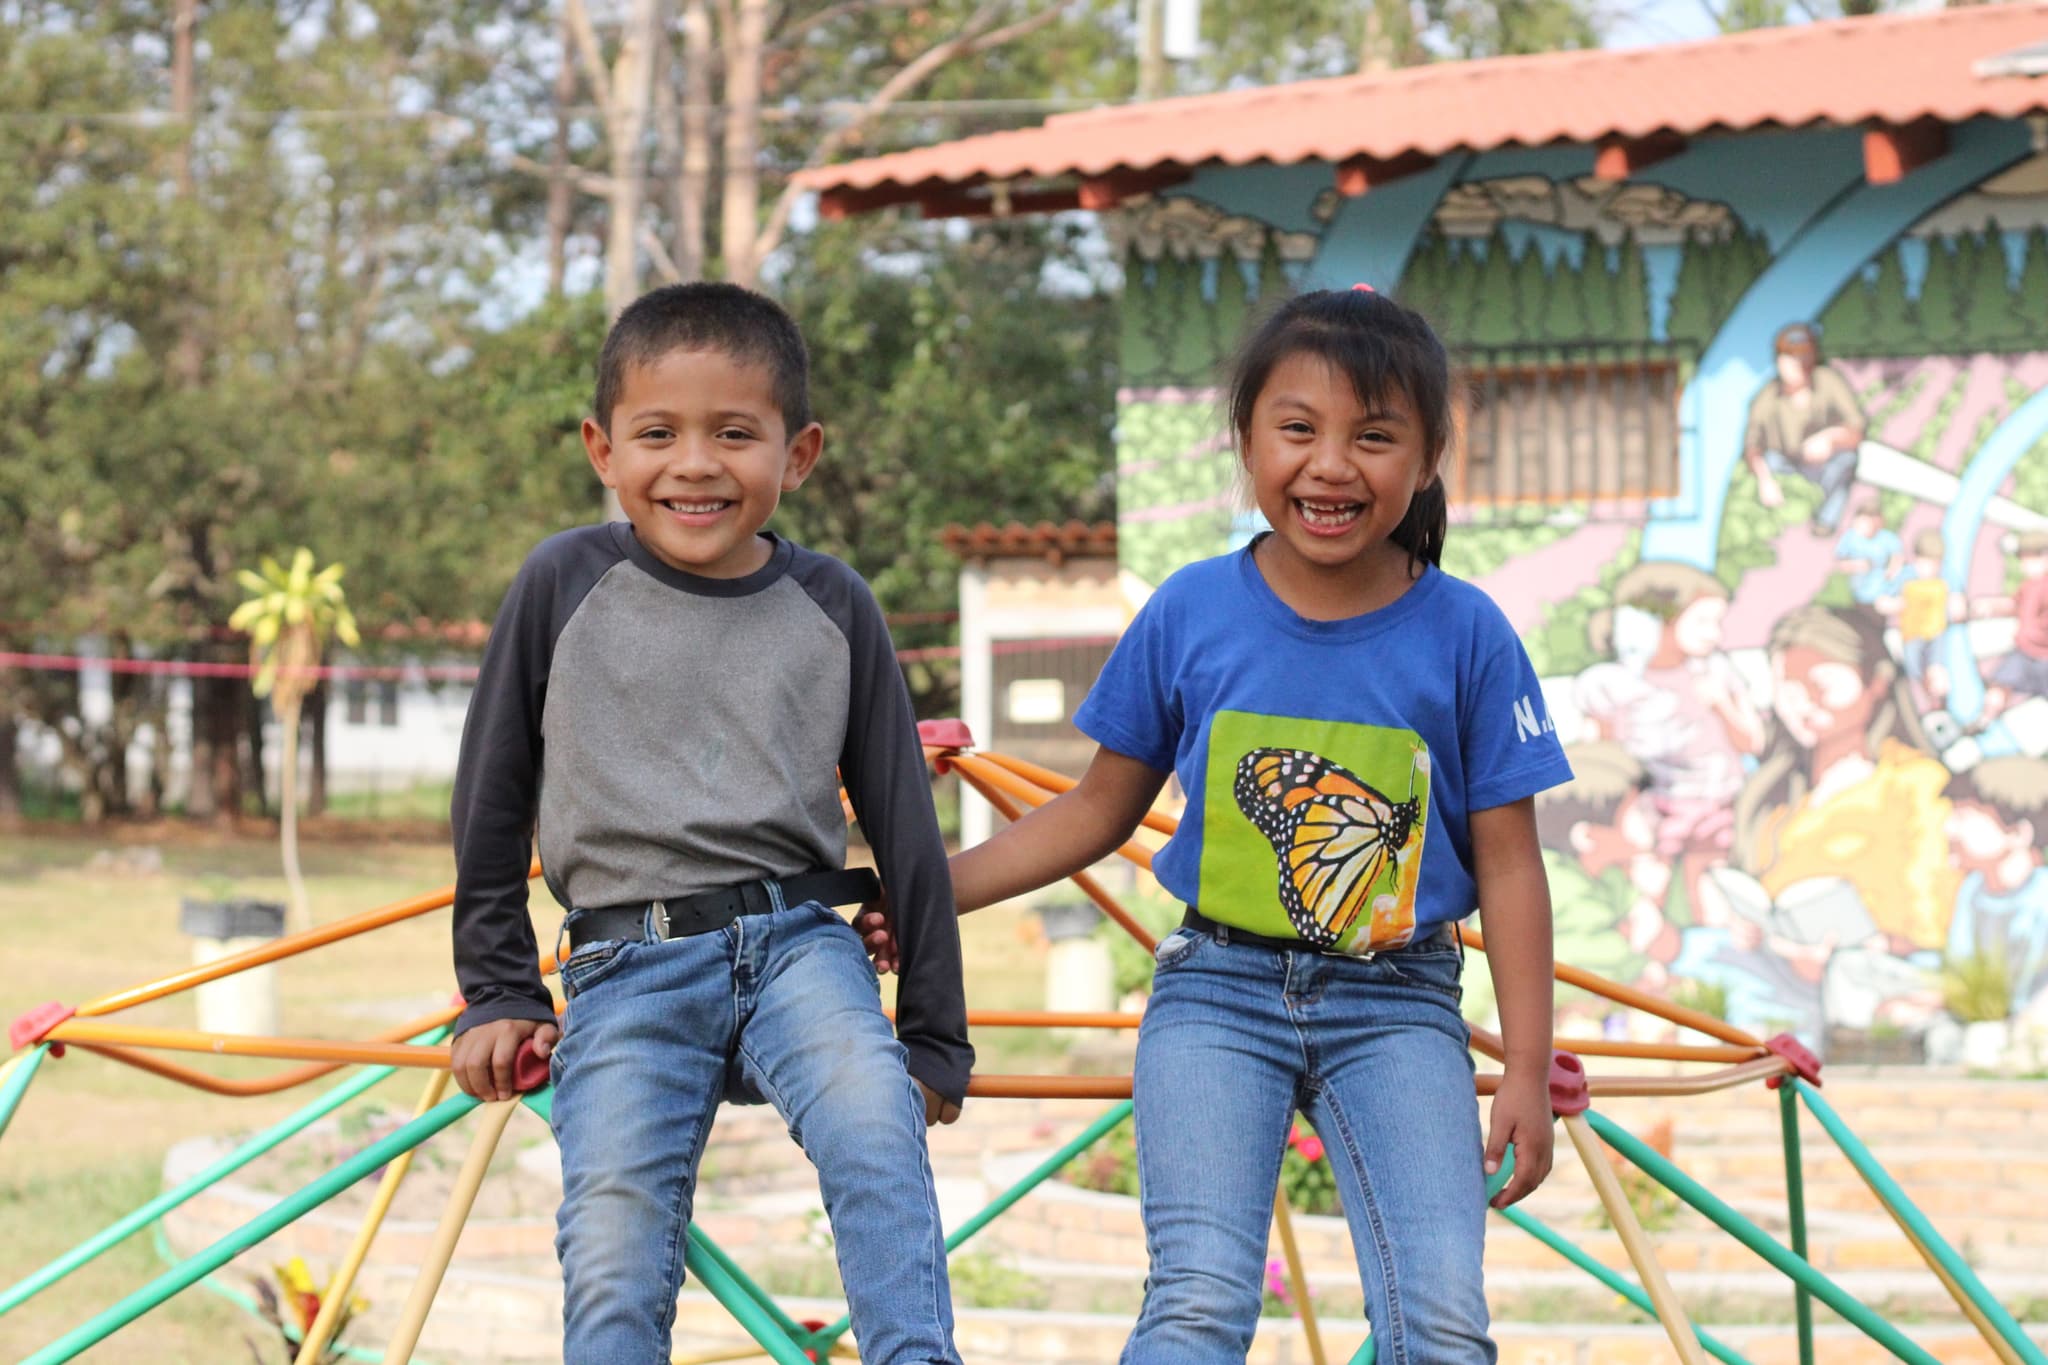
(981, 1281)
(1749, 530)
(1703, 997)
(1111, 1166)
(1131, 964)
(1978, 988)
(1559, 646)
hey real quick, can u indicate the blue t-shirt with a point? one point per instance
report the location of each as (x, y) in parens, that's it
(1329, 766)
(1880, 549)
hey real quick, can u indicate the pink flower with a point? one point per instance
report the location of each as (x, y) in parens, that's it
(1311, 1148)
(1276, 1282)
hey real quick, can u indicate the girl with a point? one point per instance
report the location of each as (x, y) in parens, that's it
(1359, 736)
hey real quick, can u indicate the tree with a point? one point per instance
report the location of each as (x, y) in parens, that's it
(1531, 295)
(1598, 295)
(1492, 320)
(1564, 308)
(1990, 320)
(2030, 292)
(1893, 329)
(1941, 320)
(1848, 319)
(1691, 317)
(289, 616)
(1631, 292)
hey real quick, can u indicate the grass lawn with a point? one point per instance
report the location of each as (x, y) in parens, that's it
(85, 916)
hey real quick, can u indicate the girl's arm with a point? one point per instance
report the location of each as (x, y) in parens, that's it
(1514, 902)
(1066, 834)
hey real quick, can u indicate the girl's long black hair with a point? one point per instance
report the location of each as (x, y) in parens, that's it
(1384, 348)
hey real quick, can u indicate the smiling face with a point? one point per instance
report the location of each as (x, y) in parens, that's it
(1332, 474)
(1818, 697)
(696, 451)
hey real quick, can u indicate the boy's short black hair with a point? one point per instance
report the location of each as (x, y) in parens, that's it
(708, 317)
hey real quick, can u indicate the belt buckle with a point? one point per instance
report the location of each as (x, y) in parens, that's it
(660, 909)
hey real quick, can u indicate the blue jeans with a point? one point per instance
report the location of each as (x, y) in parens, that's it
(1235, 1040)
(781, 1007)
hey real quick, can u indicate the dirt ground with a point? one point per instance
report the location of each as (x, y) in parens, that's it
(88, 915)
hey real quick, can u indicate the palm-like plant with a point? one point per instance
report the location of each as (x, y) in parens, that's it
(289, 615)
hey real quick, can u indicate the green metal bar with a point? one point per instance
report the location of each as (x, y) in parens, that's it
(249, 1234)
(220, 1170)
(1795, 1207)
(1756, 1239)
(17, 1082)
(248, 1305)
(1895, 1199)
(1368, 1352)
(1557, 1242)
(701, 1243)
(824, 1337)
(766, 1332)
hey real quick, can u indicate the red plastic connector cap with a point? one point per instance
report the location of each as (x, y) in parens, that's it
(529, 1069)
(812, 1325)
(1805, 1065)
(945, 734)
(32, 1026)
(1569, 1093)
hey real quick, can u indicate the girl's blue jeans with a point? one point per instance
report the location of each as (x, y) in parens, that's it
(781, 1007)
(1236, 1039)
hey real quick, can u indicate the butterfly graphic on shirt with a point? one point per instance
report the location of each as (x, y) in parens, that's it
(1336, 837)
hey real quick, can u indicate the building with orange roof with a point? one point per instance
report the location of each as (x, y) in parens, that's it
(1754, 335)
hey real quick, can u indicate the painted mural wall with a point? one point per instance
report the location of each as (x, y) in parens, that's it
(1803, 676)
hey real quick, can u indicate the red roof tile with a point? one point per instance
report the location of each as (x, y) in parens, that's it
(1890, 69)
(1075, 540)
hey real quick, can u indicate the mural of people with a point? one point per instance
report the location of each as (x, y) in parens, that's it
(1805, 422)
(1924, 607)
(1672, 699)
(1871, 553)
(1607, 884)
(1998, 819)
(2022, 673)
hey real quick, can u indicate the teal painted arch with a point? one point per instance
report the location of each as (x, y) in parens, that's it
(1851, 222)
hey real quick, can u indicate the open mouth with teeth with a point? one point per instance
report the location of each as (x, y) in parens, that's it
(696, 509)
(1328, 518)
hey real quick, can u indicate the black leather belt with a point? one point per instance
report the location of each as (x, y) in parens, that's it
(709, 910)
(1200, 923)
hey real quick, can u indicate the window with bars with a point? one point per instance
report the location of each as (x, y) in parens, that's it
(1540, 428)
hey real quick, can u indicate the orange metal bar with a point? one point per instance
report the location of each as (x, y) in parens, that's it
(1042, 1019)
(259, 1085)
(1049, 1088)
(289, 946)
(986, 775)
(229, 1045)
(1059, 783)
(1628, 995)
(1092, 888)
(1488, 1044)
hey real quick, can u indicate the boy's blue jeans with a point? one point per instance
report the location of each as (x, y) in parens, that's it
(781, 1007)
(1235, 1040)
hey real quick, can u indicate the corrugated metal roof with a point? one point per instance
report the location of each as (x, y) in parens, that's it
(1892, 69)
(1074, 540)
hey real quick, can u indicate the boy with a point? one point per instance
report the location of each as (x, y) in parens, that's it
(2024, 672)
(1870, 552)
(668, 698)
(1924, 606)
(1998, 818)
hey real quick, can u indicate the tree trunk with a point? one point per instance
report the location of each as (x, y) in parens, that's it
(742, 193)
(632, 89)
(693, 183)
(561, 195)
(10, 771)
(316, 706)
(252, 750)
(1389, 32)
(288, 819)
(1151, 49)
(188, 357)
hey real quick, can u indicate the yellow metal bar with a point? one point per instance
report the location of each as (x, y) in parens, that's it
(343, 1280)
(442, 1250)
(1670, 1313)
(1298, 1276)
(2000, 1347)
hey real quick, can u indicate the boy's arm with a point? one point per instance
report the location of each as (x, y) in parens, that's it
(497, 781)
(882, 764)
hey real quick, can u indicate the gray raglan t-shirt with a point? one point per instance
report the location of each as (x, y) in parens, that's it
(671, 734)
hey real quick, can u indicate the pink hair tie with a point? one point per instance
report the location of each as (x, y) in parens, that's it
(1363, 288)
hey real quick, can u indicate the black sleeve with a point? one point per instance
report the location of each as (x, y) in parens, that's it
(883, 766)
(497, 788)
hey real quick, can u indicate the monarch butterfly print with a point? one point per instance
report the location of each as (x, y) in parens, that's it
(1335, 837)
